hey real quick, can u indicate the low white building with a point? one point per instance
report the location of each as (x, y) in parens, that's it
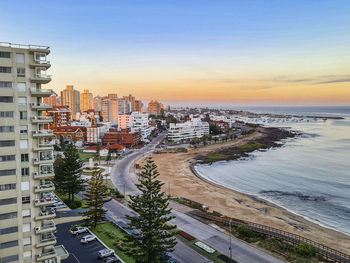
(139, 122)
(195, 128)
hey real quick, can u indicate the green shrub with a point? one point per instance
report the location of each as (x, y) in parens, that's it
(244, 232)
(306, 250)
(73, 204)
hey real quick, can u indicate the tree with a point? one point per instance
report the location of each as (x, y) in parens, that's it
(215, 139)
(95, 196)
(210, 138)
(98, 156)
(67, 173)
(154, 236)
(231, 136)
(214, 129)
(109, 155)
(204, 139)
(62, 143)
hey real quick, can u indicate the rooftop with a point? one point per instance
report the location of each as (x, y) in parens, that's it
(13, 45)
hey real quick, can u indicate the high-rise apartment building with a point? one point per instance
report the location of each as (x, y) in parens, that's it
(86, 100)
(138, 105)
(26, 155)
(71, 98)
(154, 107)
(97, 104)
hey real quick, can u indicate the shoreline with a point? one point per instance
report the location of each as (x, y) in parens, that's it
(175, 171)
(262, 200)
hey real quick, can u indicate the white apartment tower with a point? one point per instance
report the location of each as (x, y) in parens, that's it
(27, 225)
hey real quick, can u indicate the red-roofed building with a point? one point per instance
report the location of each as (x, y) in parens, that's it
(123, 137)
(70, 133)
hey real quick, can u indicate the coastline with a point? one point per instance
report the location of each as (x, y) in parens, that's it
(175, 172)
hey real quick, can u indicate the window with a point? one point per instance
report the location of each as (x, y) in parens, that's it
(25, 200)
(27, 241)
(22, 101)
(24, 186)
(21, 72)
(24, 157)
(45, 156)
(7, 129)
(22, 115)
(21, 87)
(46, 168)
(7, 172)
(9, 244)
(5, 84)
(5, 187)
(40, 57)
(20, 58)
(25, 171)
(26, 228)
(27, 255)
(8, 201)
(6, 114)
(4, 54)
(7, 158)
(23, 129)
(9, 259)
(23, 144)
(26, 213)
(7, 143)
(6, 99)
(8, 230)
(8, 215)
(5, 70)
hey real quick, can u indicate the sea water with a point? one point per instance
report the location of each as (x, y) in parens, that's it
(309, 175)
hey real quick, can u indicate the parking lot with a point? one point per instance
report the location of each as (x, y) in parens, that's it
(83, 253)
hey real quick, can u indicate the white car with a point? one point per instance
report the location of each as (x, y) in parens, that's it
(105, 253)
(78, 230)
(88, 238)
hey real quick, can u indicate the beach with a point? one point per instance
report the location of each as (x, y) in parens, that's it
(175, 172)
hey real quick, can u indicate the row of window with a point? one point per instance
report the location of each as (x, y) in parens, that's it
(9, 244)
(19, 56)
(5, 187)
(7, 158)
(8, 230)
(44, 169)
(21, 86)
(10, 215)
(6, 114)
(21, 72)
(22, 101)
(7, 129)
(8, 201)
(9, 259)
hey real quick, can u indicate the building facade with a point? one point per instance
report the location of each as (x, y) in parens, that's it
(154, 107)
(26, 155)
(61, 116)
(124, 137)
(139, 122)
(195, 128)
(71, 98)
(52, 100)
(86, 101)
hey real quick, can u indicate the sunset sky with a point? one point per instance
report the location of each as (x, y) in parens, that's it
(193, 52)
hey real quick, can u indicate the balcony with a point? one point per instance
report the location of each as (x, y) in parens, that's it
(40, 92)
(47, 227)
(41, 119)
(46, 240)
(43, 133)
(62, 252)
(38, 161)
(46, 187)
(41, 78)
(43, 147)
(40, 63)
(50, 254)
(46, 214)
(40, 106)
(41, 175)
(44, 202)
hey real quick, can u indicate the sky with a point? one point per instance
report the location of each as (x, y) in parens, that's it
(192, 52)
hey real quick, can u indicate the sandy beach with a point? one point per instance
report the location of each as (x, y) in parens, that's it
(175, 171)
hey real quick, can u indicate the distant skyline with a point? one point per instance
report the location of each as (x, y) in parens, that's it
(193, 52)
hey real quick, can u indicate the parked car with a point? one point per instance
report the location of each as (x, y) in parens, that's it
(88, 238)
(105, 253)
(111, 260)
(78, 230)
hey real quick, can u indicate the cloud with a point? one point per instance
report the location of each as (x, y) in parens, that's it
(325, 79)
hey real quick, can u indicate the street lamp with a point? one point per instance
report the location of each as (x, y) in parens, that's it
(230, 241)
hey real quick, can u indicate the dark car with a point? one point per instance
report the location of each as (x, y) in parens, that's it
(111, 260)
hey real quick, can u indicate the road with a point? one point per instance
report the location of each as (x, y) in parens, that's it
(242, 252)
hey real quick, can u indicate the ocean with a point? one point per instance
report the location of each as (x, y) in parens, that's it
(309, 175)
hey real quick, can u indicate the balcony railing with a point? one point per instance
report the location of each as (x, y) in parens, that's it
(44, 201)
(42, 76)
(46, 238)
(45, 255)
(40, 90)
(40, 106)
(42, 62)
(45, 186)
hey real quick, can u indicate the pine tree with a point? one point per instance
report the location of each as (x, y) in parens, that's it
(67, 173)
(95, 196)
(154, 236)
(109, 157)
(98, 153)
(62, 143)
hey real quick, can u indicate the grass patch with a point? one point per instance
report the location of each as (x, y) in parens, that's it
(64, 198)
(214, 256)
(84, 157)
(216, 157)
(113, 237)
(251, 146)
